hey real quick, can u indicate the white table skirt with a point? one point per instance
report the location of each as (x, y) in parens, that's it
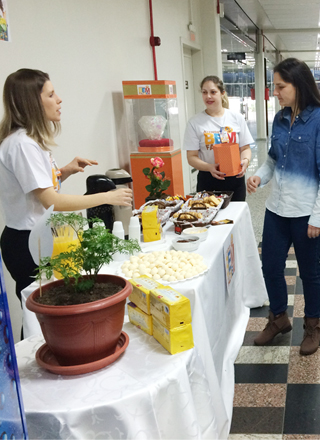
(219, 320)
(146, 394)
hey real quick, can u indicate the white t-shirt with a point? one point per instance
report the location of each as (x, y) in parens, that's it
(204, 131)
(24, 167)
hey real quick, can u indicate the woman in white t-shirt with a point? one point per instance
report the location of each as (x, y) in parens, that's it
(29, 177)
(217, 124)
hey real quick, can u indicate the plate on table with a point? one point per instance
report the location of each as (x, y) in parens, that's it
(164, 282)
(162, 266)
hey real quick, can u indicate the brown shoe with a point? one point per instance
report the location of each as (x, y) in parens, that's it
(311, 337)
(276, 324)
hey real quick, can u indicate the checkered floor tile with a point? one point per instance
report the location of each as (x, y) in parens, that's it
(277, 391)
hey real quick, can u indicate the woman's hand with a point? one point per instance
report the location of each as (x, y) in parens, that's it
(252, 184)
(213, 169)
(244, 166)
(77, 165)
(313, 232)
(121, 196)
(67, 202)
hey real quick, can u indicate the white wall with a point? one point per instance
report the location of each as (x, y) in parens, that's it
(88, 48)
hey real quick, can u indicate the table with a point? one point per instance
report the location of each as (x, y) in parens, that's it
(201, 379)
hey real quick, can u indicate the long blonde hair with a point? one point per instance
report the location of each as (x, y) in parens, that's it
(217, 81)
(23, 108)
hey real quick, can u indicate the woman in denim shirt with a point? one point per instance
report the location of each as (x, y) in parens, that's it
(293, 207)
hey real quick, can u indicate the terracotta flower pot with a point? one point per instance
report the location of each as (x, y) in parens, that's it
(82, 333)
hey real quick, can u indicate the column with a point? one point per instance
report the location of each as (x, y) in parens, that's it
(277, 106)
(211, 39)
(260, 89)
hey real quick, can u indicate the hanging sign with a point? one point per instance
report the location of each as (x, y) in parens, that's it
(236, 56)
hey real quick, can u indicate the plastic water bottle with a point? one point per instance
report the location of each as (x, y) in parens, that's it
(118, 231)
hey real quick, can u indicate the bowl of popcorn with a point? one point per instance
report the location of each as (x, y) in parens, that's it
(186, 243)
(200, 232)
(165, 266)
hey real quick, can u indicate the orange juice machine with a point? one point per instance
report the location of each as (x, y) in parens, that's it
(153, 130)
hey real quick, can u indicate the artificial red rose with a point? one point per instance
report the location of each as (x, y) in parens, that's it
(157, 162)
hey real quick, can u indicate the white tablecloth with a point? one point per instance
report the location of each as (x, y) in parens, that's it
(219, 320)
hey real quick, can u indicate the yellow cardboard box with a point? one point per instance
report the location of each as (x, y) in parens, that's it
(139, 318)
(170, 307)
(149, 216)
(152, 234)
(174, 340)
(140, 295)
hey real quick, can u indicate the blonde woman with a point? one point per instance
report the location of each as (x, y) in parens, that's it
(216, 124)
(30, 179)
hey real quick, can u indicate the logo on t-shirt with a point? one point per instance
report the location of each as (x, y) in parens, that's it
(225, 135)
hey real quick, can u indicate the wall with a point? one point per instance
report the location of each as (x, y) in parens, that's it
(88, 48)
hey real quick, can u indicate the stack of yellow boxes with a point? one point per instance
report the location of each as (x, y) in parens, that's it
(162, 312)
(139, 305)
(151, 227)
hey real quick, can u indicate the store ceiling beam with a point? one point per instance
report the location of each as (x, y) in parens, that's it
(300, 50)
(290, 31)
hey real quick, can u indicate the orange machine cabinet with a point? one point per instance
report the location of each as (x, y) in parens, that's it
(228, 158)
(172, 168)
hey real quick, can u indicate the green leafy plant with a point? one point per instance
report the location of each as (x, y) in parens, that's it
(96, 248)
(158, 184)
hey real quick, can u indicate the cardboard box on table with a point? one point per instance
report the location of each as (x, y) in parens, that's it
(141, 288)
(176, 339)
(139, 318)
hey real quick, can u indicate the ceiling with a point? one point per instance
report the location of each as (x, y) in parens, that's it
(289, 26)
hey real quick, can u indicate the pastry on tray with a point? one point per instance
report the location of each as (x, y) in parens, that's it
(191, 216)
(198, 204)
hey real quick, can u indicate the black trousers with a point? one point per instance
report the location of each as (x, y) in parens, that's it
(206, 182)
(17, 258)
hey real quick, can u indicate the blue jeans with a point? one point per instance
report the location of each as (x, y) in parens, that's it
(278, 235)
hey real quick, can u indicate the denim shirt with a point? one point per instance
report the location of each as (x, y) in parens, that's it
(293, 165)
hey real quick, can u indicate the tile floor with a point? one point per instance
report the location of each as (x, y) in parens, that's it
(277, 391)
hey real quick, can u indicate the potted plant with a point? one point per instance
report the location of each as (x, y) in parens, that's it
(81, 315)
(158, 184)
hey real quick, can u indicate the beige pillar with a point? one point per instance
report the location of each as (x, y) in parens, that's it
(260, 89)
(211, 39)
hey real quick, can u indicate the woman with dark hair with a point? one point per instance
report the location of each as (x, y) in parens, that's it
(293, 207)
(29, 177)
(215, 125)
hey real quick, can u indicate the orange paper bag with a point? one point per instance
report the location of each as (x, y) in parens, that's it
(228, 158)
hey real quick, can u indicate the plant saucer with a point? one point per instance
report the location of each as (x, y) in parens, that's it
(47, 359)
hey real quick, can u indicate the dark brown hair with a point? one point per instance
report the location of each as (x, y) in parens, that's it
(298, 74)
